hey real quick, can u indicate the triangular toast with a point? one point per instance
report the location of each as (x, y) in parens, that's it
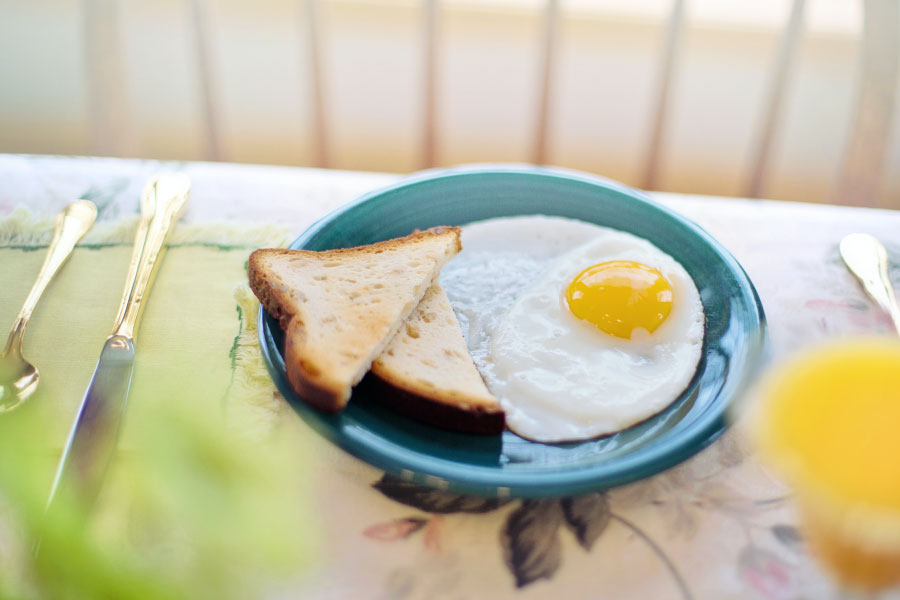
(340, 308)
(430, 374)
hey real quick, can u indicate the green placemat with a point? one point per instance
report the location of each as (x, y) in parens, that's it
(198, 503)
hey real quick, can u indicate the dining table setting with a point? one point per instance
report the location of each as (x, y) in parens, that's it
(152, 443)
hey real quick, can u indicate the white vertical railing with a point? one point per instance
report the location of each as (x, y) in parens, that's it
(671, 51)
(321, 141)
(782, 68)
(207, 90)
(429, 82)
(110, 127)
(547, 63)
(858, 182)
(867, 146)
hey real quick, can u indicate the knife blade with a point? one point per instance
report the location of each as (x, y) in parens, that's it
(92, 440)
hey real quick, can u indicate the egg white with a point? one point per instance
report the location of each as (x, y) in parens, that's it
(560, 378)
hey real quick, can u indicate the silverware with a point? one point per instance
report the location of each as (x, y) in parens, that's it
(866, 258)
(92, 439)
(18, 377)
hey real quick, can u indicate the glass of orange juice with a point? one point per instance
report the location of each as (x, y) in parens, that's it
(829, 421)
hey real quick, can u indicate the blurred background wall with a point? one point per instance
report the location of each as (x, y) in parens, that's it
(235, 80)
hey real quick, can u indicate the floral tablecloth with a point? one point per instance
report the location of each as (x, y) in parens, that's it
(717, 526)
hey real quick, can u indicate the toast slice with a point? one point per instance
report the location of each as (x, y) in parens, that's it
(340, 308)
(427, 373)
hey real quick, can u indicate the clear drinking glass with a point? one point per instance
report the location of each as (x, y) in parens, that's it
(828, 420)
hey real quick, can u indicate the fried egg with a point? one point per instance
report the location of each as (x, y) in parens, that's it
(580, 330)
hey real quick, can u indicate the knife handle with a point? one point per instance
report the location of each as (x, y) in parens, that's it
(867, 259)
(162, 201)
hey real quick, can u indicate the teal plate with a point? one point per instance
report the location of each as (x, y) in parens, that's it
(507, 465)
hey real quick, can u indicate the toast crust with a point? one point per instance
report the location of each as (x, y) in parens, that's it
(307, 364)
(477, 419)
(429, 367)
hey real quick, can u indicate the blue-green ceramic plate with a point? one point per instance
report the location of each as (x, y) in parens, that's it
(508, 465)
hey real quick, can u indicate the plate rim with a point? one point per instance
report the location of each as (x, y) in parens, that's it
(446, 474)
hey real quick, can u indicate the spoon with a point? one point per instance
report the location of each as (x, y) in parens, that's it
(18, 377)
(866, 258)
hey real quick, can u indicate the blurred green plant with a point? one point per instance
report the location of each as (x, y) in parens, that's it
(191, 509)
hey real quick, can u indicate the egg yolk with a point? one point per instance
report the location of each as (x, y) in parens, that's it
(620, 296)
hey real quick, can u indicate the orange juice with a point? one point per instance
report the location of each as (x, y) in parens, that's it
(829, 421)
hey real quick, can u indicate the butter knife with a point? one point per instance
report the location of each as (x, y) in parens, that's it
(92, 440)
(867, 259)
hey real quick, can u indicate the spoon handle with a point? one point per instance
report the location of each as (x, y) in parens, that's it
(71, 225)
(866, 258)
(162, 201)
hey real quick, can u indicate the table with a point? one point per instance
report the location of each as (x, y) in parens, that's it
(717, 526)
